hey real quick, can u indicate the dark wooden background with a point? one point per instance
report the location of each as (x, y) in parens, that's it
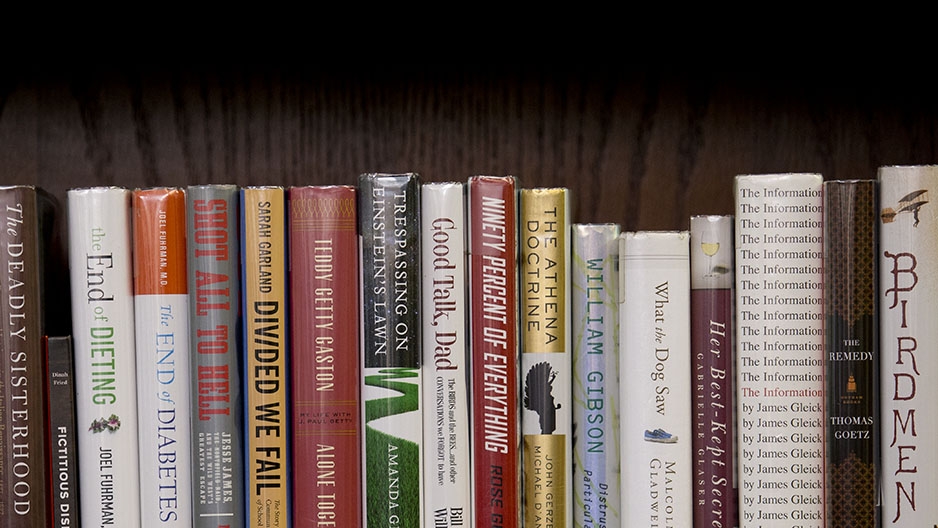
(644, 147)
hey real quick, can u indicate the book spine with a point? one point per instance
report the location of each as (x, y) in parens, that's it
(595, 325)
(63, 439)
(713, 353)
(213, 254)
(161, 312)
(390, 277)
(851, 353)
(908, 282)
(24, 496)
(546, 358)
(445, 352)
(654, 324)
(264, 293)
(103, 338)
(324, 358)
(493, 341)
(780, 370)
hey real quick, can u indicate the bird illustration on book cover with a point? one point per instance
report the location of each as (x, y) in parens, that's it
(538, 395)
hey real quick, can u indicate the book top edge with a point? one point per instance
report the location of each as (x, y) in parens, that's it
(99, 189)
(781, 176)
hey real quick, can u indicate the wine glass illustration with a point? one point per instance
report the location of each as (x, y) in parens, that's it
(710, 249)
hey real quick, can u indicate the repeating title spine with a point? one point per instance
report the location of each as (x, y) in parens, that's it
(213, 256)
(654, 324)
(713, 352)
(390, 278)
(103, 338)
(161, 312)
(25, 499)
(493, 339)
(326, 408)
(546, 357)
(445, 352)
(63, 439)
(780, 341)
(595, 325)
(908, 282)
(264, 293)
(851, 353)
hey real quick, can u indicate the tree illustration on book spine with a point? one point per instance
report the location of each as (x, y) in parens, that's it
(595, 325)
(390, 287)
(908, 282)
(101, 270)
(546, 358)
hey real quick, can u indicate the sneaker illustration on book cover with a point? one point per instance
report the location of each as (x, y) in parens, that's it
(660, 436)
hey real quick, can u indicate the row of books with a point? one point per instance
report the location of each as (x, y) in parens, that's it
(398, 354)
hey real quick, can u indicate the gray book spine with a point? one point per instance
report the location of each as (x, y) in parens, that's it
(214, 281)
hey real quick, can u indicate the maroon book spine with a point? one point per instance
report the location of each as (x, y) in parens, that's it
(494, 351)
(712, 339)
(323, 258)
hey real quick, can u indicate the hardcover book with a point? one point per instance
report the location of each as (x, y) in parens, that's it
(851, 353)
(445, 354)
(780, 361)
(161, 316)
(266, 393)
(388, 210)
(595, 326)
(546, 357)
(713, 387)
(908, 286)
(654, 324)
(324, 356)
(213, 257)
(493, 341)
(25, 497)
(63, 439)
(103, 339)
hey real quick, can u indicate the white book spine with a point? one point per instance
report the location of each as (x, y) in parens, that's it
(101, 275)
(908, 280)
(780, 341)
(447, 499)
(161, 319)
(655, 392)
(595, 324)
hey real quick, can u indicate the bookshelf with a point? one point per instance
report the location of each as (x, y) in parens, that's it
(644, 147)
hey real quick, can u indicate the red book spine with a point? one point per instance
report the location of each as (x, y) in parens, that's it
(323, 245)
(494, 351)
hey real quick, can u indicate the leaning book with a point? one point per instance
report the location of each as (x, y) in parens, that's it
(25, 497)
(101, 264)
(326, 402)
(445, 355)
(908, 286)
(161, 318)
(595, 326)
(213, 258)
(654, 326)
(390, 337)
(266, 395)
